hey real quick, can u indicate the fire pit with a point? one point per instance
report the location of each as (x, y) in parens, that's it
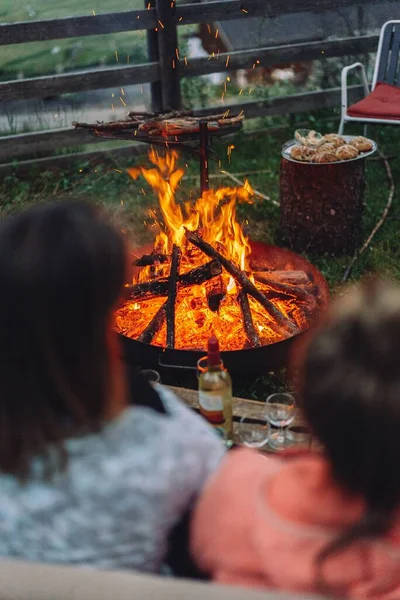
(203, 276)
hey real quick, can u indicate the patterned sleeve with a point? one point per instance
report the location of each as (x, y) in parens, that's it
(200, 449)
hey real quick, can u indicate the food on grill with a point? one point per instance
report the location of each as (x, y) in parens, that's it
(171, 124)
(361, 143)
(330, 148)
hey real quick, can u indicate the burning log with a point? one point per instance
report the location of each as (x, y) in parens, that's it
(154, 326)
(289, 277)
(251, 333)
(280, 321)
(147, 260)
(299, 293)
(159, 287)
(215, 293)
(172, 292)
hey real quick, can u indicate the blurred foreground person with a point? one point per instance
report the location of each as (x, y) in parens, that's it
(84, 477)
(321, 523)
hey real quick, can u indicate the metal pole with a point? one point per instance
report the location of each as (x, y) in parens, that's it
(204, 182)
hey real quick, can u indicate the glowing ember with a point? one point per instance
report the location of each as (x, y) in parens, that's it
(212, 306)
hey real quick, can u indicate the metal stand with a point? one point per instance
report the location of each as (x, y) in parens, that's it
(204, 141)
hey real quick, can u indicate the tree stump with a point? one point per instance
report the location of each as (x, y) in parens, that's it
(322, 206)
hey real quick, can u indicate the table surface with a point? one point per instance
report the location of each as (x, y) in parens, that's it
(241, 408)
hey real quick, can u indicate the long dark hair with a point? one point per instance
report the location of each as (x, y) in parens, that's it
(350, 391)
(62, 268)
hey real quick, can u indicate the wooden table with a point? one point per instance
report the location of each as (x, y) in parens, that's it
(241, 408)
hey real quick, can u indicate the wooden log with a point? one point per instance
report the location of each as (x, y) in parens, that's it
(154, 326)
(159, 287)
(322, 206)
(251, 334)
(280, 323)
(147, 260)
(288, 277)
(301, 294)
(215, 293)
(172, 293)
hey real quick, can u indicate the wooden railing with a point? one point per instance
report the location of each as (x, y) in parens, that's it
(164, 70)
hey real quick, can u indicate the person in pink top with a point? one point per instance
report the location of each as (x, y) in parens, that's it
(316, 522)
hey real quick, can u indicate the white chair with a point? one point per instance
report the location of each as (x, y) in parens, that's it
(382, 104)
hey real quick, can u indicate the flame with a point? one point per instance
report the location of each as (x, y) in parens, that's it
(214, 215)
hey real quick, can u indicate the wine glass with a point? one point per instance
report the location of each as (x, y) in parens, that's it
(253, 434)
(280, 412)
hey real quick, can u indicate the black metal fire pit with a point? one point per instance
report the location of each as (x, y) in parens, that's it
(251, 361)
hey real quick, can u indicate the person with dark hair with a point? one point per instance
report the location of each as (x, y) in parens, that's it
(96, 467)
(321, 522)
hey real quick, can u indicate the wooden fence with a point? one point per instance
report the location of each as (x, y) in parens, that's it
(164, 69)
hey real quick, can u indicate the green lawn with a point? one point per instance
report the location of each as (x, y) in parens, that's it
(41, 58)
(129, 202)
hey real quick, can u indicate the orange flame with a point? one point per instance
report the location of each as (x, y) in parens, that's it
(214, 215)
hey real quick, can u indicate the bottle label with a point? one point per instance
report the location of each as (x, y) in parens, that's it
(211, 402)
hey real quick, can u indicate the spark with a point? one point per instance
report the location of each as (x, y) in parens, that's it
(228, 79)
(217, 34)
(122, 101)
(180, 19)
(222, 97)
(225, 87)
(227, 60)
(116, 56)
(177, 53)
(186, 61)
(209, 28)
(161, 24)
(240, 92)
(229, 151)
(244, 11)
(250, 90)
(173, 64)
(122, 91)
(80, 170)
(212, 55)
(226, 113)
(241, 113)
(143, 192)
(138, 17)
(94, 14)
(118, 171)
(258, 62)
(149, 6)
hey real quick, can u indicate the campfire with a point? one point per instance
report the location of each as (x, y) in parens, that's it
(200, 277)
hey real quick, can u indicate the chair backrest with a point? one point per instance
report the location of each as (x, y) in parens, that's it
(387, 67)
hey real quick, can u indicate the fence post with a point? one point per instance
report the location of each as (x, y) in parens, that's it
(168, 54)
(153, 56)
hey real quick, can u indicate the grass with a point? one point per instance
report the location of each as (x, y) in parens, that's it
(129, 202)
(41, 58)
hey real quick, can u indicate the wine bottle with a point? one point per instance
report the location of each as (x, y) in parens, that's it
(215, 393)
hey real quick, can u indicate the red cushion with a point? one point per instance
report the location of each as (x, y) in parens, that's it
(382, 103)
